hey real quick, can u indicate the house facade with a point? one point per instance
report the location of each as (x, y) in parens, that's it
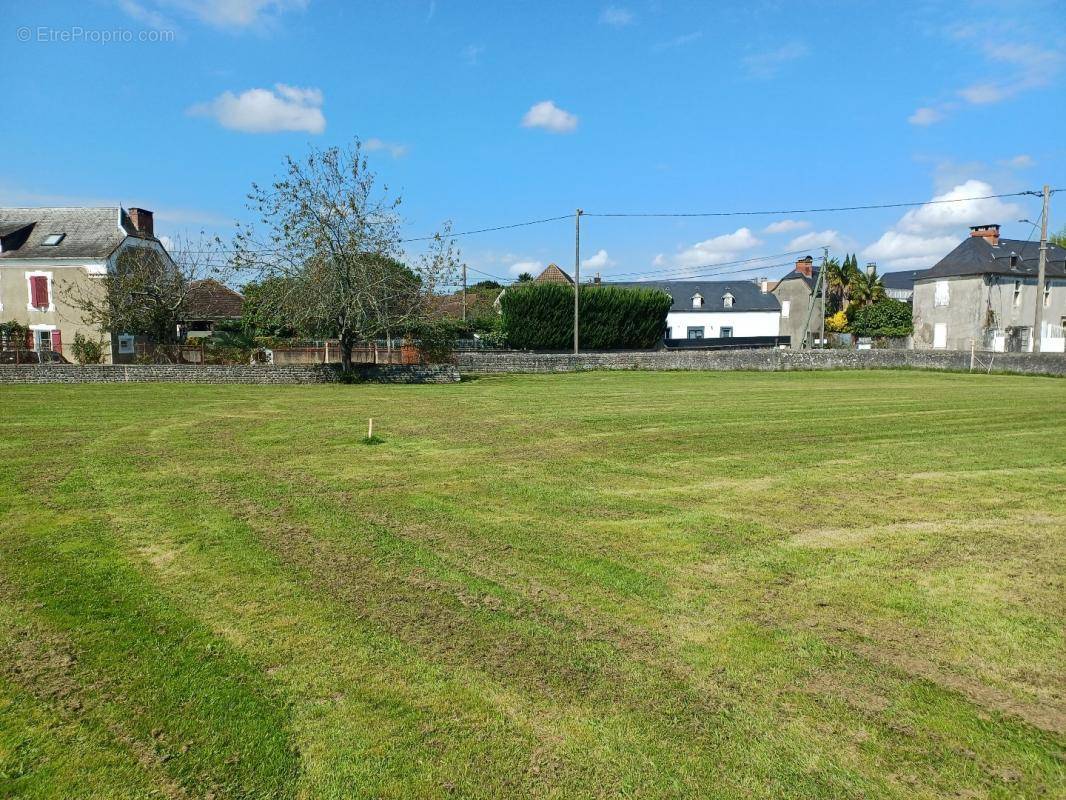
(49, 256)
(983, 294)
(717, 309)
(795, 294)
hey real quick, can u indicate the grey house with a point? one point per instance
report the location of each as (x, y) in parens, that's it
(795, 293)
(983, 294)
(900, 285)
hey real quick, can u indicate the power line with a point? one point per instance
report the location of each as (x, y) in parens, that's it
(804, 210)
(488, 230)
(716, 264)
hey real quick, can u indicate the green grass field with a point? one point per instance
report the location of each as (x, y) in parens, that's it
(598, 585)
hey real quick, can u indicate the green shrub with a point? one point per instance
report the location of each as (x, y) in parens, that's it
(883, 318)
(540, 316)
(87, 351)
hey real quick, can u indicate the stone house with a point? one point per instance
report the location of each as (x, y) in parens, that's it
(48, 255)
(795, 293)
(983, 294)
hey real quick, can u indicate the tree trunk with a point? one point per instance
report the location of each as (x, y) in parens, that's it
(346, 352)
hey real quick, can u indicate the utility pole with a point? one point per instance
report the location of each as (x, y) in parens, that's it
(815, 294)
(464, 291)
(1041, 270)
(821, 274)
(577, 273)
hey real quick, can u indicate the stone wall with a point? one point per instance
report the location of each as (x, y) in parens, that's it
(488, 363)
(243, 373)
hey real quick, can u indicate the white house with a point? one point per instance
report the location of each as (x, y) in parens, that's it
(717, 309)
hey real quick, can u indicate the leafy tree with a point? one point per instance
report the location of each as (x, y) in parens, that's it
(839, 278)
(867, 288)
(1059, 238)
(329, 237)
(87, 351)
(481, 285)
(886, 317)
(524, 277)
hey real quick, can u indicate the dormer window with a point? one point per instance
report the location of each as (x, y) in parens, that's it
(52, 239)
(727, 300)
(1013, 260)
(697, 300)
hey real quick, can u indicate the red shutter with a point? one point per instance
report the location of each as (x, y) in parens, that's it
(57, 341)
(39, 291)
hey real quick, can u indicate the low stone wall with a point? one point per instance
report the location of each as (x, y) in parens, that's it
(489, 363)
(242, 373)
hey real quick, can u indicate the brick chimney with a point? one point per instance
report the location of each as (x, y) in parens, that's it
(990, 232)
(805, 266)
(142, 221)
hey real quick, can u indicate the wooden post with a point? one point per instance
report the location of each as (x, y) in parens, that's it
(370, 429)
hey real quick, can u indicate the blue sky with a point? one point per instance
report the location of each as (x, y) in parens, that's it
(493, 113)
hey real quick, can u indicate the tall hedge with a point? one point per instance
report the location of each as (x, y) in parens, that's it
(884, 318)
(540, 316)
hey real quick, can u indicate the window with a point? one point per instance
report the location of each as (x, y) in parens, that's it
(726, 332)
(940, 297)
(125, 344)
(727, 300)
(697, 300)
(940, 335)
(52, 239)
(42, 341)
(786, 306)
(1047, 295)
(1017, 293)
(695, 333)
(39, 292)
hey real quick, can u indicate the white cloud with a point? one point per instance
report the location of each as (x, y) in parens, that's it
(980, 94)
(678, 41)
(816, 240)
(285, 108)
(616, 16)
(926, 115)
(767, 64)
(927, 233)
(233, 14)
(715, 250)
(550, 117)
(599, 260)
(167, 242)
(534, 268)
(786, 226)
(1020, 161)
(392, 148)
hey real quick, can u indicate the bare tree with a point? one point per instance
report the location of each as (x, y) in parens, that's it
(147, 291)
(329, 238)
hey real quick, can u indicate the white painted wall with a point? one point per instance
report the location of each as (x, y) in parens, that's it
(743, 323)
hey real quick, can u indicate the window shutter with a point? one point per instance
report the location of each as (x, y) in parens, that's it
(39, 291)
(57, 341)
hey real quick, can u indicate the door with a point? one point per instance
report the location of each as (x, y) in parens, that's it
(43, 341)
(940, 335)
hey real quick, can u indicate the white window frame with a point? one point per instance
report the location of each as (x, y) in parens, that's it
(697, 300)
(701, 328)
(722, 332)
(727, 300)
(941, 294)
(786, 307)
(29, 292)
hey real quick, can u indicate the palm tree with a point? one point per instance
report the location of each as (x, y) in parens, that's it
(867, 287)
(839, 278)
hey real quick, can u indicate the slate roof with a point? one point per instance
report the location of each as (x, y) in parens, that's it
(902, 280)
(747, 296)
(811, 281)
(209, 299)
(975, 255)
(91, 233)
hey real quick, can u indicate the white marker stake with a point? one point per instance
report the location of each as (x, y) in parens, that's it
(370, 429)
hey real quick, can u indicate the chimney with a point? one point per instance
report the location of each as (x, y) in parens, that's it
(142, 221)
(805, 266)
(871, 269)
(990, 232)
